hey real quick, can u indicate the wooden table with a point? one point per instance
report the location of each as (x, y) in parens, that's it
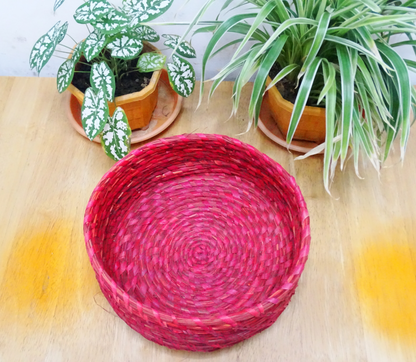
(356, 300)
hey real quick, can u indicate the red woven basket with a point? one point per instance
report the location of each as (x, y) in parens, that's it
(197, 241)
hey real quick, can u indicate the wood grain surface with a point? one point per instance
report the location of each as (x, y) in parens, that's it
(356, 299)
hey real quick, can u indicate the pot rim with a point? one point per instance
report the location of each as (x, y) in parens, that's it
(287, 105)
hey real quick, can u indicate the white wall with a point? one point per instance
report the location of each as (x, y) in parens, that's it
(24, 21)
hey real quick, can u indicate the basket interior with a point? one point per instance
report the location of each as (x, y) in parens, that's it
(199, 229)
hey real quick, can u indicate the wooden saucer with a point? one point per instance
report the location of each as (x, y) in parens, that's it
(167, 109)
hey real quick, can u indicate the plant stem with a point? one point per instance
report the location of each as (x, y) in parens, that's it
(59, 57)
(115, 67)
(72, 39)
(62, 51)
(65, 46)
(130, 71)
(162, 24)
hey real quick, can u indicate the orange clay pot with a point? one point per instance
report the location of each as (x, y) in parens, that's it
(311, 126)
(139, 106)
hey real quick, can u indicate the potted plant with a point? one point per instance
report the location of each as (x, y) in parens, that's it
(333, 54)
(117, 47)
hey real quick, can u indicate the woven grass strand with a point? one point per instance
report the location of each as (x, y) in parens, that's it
(197, 241)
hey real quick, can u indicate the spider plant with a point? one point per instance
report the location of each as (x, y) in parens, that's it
(338, 54)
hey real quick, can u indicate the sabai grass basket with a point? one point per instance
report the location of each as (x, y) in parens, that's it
(197, 241)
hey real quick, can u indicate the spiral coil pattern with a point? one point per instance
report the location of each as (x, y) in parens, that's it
(197, 241)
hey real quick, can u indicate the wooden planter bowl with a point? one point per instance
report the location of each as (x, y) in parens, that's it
(138, 106)
(312, 122)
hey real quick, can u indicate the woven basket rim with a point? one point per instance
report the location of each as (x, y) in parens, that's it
(244, 314)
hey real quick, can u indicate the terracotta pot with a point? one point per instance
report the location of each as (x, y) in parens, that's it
(138, 106)
(311, 126)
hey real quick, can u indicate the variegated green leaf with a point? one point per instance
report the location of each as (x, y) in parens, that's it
(330, 116)
(317, 42)
(226, 26)
(283, 73)
(125, 46)
(302, 97)
(57, 4)
(44, 48)
(94, 43)
(181, 76)
(94, 113)
(146, 33)
(145, 10)
(260, 81)
(112, 23)
(76, 54)
(372, 5)
(184, 49)
(102, 78)
(403, 85)
(347, 93)
(264, 12)
(115, 138)
(220, 77)
(92, 11)
(65, 75)
(62, 32)
(149, 62)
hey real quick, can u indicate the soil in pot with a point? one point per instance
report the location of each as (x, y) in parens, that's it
(130, 81)
(288, 89)
(136, 92)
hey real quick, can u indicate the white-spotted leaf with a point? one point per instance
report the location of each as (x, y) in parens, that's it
(102, 78)
(57, 4)
(181, 76)
(62, 32)
(146, 33)
(92, 11)
(172, 40)
(94, 113)
(150, 62)
(94, 43)
(115, 138)
(112, 23)
(145, 10)
(184, 49)
(125, 46)
(76, 54)
(44, 48)
(65, 75)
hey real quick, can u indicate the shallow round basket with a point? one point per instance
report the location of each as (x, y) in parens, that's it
(197, 241)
